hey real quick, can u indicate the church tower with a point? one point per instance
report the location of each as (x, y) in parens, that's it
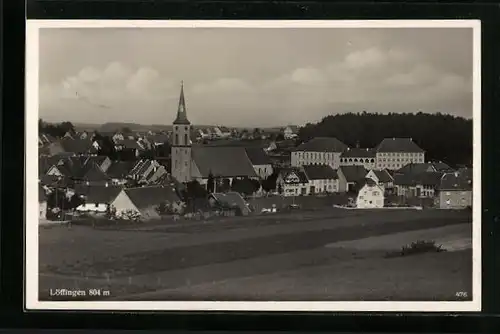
(181, 143)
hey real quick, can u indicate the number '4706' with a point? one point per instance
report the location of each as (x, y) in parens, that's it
(461, 294)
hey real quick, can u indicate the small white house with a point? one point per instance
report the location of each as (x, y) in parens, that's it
(288, 133)
(370, 196)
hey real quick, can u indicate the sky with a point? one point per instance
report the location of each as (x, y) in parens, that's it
(251, 77)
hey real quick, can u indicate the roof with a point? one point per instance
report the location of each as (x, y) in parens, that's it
(120, 169)
(398, 145)
(231, 199)
(404, 180)
(129, 143)
(320, 172)
(158, 139)
(222, 161)
(257, 156)
(300, 174)
(94, 173)
(366, 181)
(181, 110)
(98, 194)
(323, 144)
(144, 197)
(358, 153)
(97, 159)
(80, 146)
(353, 173)
(383, 176)
(459, 181)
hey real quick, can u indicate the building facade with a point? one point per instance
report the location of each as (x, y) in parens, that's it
(318, 151)
(395, 153)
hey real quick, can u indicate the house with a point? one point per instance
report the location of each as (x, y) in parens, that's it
(417, 168)
(103, 162)
(80, 169)
(293, 182)
(143, 170)
(96, 198)
(222, 132)
(358, 157)
(322, 179)
(119, 171)
(394, 153)
(350, 177)
(260, 160)
(42, 202)
(230, 201)
(319, 151)
(143, 201)
(128, 146)
(51, 149)
(290, 132)
(370, 195)
(117, 137)
(455, 190)
(383, 178)
(420, 185)
(82, 135)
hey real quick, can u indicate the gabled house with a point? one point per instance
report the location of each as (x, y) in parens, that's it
(231, 202)
(350, 178)
(455, 190)
(143, 201)
(119, 171)
(293, 182)
(144, 169)
(97, 199)
(370, 195)
(80, 146)
(260, 160)
(290, 132)
(117, 137)
(128, 145)
(51, 149)
(382, 178)
(222, 132)
(322, 179)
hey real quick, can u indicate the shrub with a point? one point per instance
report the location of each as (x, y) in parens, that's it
(418, 247)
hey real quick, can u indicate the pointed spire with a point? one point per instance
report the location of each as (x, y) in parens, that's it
(181, 109)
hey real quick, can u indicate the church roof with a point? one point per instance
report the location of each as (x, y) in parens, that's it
(181, 110)
(225, 161)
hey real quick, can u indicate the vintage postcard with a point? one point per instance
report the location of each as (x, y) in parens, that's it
(253, 165)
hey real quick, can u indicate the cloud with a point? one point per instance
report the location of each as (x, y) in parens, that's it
(372, 79)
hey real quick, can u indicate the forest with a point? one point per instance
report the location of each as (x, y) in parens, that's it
(444, 137)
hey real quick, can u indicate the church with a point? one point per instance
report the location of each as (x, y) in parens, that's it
(196, 162)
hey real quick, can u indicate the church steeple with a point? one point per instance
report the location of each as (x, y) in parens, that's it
(181, 109)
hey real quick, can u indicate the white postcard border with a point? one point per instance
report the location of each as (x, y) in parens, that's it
(31, 173)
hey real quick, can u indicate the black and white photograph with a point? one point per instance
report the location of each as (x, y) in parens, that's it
(253, 165)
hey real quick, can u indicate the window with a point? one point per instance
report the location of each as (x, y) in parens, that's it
(360, 197)
(375, 193)
(96, 205)
(176, 141)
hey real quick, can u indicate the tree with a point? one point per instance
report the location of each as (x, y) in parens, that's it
(193, 191)
(210, 183)
(223, 185)
(126, 130)
(280, 189)
(280, 137)
(244, 186)
(269, 184)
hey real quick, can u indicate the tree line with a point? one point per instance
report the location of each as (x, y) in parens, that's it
(57, 130)
(444, 137)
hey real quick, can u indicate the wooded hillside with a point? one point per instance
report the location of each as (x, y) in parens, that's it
(443, 137)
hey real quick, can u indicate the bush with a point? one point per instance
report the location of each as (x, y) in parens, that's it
(418, 247)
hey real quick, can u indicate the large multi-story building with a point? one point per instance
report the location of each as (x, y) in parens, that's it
(319, 151)
(395, 153)
(358, 157)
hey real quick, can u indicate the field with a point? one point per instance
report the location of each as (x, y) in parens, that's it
(329, 254)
